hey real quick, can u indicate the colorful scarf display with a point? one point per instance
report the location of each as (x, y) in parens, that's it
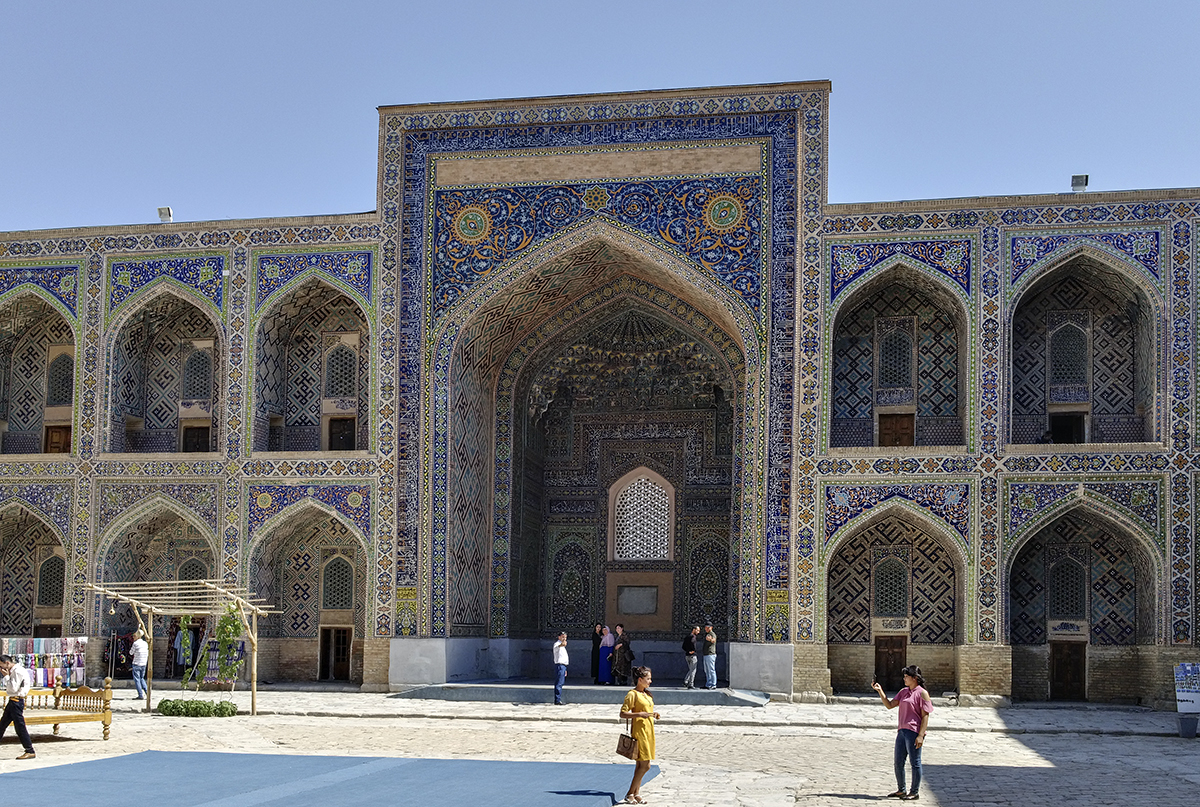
(48, 659)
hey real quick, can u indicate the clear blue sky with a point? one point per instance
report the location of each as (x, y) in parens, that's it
(253, 109)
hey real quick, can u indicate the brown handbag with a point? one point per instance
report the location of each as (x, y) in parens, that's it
(627, 744)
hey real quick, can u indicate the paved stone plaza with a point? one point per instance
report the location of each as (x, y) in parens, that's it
(780, 754)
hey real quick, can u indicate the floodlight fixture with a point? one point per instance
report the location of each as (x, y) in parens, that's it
(1079, 183)
(164, 215)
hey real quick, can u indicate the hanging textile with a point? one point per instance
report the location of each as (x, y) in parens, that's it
(49, 659)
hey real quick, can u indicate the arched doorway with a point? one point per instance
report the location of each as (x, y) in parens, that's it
(34, 575)
(623, 459)
(1085, 337)
(1081, 596)
(160, 544)
(894, 595)
(37, 377)
(165, 378)
(485, 350)
(899, 352)
(312, 363)
(311, 566)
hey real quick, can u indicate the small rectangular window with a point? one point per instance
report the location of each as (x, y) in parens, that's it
(1067, 428)
(341, 434)
(195, 438)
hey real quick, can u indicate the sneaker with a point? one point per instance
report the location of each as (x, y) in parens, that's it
(28, 755)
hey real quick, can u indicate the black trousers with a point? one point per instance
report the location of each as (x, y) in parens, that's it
(14, 712)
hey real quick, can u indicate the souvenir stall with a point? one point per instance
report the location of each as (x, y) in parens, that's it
(48, 659)
(190, 598)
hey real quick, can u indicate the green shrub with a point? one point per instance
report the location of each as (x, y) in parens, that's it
(196, 708)
(224, 709)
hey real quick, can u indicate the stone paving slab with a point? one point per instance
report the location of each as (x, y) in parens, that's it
(1081, 719)
(701, 764)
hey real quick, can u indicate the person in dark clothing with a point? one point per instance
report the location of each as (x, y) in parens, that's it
(689, 654)
(622, 656)
(597, 638)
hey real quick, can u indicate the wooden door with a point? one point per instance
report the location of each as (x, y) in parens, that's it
(890, 655)
(1068, 671)
(195, 438)
(897, 430)
(341, 434)
(58, 440)
(335, 654)
(47, 631)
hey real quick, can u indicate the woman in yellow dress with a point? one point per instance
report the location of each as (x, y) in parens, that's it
(639, 708)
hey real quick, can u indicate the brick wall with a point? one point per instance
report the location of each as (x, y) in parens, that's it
(851, 667)
(810, 668)
(938, 663)
(1031, 672)
(375, 664)
(985, 669)
(1113, 673)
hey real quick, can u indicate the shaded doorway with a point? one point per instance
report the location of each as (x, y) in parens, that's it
(1068, 671)
(890, 661)
(335, 654)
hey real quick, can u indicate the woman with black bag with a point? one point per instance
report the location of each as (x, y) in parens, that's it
(639, 709)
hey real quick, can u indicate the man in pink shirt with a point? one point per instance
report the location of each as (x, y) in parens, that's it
(915, 706)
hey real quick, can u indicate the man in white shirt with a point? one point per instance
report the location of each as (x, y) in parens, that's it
(16, 686)
(140, 654)
(560, 666)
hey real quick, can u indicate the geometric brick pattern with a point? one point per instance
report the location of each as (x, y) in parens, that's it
(856, 344)
(1075, 297)
(881, 565)
(1078, 568)
(24, 541)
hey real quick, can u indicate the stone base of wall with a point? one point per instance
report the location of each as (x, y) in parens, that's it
(1128, 674)
(375, 664)
(984, 669)
(810, 669)
(972, 669)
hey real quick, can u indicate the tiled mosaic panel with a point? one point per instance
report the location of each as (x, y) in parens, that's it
(573, 576)
(855, 355)
(715, 220)
(468, 548)
(932, 583)
(58, 280)
(25, 542)
(1113, 590)
(1113, 337)
(203, 273)
(706, 575)
(285, 569)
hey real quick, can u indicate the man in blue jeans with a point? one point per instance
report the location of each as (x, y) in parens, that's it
(709, 654)
(560, 666)
(139, 654)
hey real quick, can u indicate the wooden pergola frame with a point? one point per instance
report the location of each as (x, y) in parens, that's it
(190, 598)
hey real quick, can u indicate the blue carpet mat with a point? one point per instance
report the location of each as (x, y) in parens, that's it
(195, 778)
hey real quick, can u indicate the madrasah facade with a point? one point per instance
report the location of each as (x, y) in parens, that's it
(615, 358)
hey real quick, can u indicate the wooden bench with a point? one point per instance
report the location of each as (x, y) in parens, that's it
(44, 706)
